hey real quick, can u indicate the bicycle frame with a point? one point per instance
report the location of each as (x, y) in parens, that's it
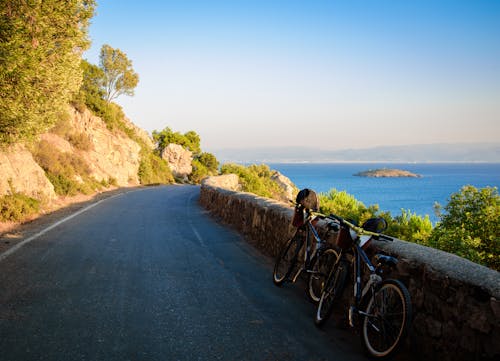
(360, 258)
(310, 230)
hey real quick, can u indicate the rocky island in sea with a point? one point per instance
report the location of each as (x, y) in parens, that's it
(387, 172)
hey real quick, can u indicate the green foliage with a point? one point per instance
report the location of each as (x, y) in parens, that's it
(189, 140)
(346, 206)
(410, 227)
(153, 169)
(40, 56)
(470, 226)
(68, 173)
(119, 76)
(16, 207)
(255, 179)
(204, 165)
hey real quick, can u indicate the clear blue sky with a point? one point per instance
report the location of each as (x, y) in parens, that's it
(332, 74)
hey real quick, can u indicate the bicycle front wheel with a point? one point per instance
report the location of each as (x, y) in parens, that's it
(386, 320)
(287, 259)
(332, 291)
(320, 268)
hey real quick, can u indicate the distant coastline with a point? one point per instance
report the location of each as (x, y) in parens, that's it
(411, 154)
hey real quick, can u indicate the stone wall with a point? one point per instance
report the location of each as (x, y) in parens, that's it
(456, 303)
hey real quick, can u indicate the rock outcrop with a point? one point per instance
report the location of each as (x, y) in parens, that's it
(20, 173)
(286, 184)
(108, 154)
(112, 154)
(226, 181)
(179, 160)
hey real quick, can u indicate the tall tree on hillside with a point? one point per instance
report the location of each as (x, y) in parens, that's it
(40, 53)
(119, 76)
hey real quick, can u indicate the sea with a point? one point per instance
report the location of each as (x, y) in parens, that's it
(437, 182)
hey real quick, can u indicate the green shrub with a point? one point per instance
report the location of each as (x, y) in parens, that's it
(80, 141)
(189, 140)
(256, 179)
(17, 207)
(153, 169)
(204, 165)
(346, 206)
(470, 226)
(68, 172)
(410, 227)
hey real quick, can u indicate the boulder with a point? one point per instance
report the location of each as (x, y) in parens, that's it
(226, 181)
(179, 160)
(20, 173)
(286, 184)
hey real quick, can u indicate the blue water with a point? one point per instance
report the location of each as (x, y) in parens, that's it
(437, 183)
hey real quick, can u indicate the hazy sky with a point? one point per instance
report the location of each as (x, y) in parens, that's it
(332, 74)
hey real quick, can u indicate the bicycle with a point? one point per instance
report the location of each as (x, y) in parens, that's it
(297, 255)
(382, 306)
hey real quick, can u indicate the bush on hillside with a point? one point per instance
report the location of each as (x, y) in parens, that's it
(68, 172)
(153, 169)
(256, 179)
(16, 206)
(189, 140)
(470, 226)
(204, 165)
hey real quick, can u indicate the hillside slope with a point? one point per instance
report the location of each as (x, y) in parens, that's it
(108, 156)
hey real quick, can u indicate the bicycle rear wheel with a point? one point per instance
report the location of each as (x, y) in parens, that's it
(332, 291)
(287, 259)
(387, 319)
(320, 268)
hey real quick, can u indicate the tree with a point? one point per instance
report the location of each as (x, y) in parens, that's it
(40, 53)
(189, 140)
(119, 76)
(470, 226)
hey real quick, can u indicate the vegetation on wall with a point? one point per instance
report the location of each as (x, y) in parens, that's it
(40, 55)
(469, 226)
(255, 179)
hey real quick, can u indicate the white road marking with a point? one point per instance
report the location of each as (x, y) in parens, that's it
(58, 223)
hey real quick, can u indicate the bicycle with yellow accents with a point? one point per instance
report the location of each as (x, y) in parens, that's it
(381, 307)
(305, 252)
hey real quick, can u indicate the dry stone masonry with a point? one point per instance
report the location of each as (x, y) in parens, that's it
(456, 303)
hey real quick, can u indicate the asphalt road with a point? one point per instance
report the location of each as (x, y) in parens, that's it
(149, 275)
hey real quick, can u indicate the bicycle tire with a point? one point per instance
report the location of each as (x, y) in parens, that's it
(387, 319)
(332, 291)
(287, 259)
(320, 267)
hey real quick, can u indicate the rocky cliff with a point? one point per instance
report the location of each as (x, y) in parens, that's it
(107, 154)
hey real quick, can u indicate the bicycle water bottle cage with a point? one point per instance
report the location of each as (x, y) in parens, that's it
(383, 260)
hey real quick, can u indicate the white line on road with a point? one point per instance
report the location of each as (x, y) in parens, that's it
(42, 232)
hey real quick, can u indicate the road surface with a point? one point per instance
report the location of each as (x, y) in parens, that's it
(149, 275)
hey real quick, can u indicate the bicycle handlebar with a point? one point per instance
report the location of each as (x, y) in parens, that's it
(342, 221)
(360, 230)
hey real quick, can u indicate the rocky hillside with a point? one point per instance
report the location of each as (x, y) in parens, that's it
(110, 157)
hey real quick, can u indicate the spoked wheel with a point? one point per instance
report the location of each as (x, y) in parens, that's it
(332, 291)
(320, 268)
(387, 319)
(287, 259)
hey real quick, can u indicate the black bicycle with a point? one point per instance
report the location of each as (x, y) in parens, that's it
(382, 308)
(298, 255)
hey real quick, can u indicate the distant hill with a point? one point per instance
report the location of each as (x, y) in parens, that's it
(458, 152)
